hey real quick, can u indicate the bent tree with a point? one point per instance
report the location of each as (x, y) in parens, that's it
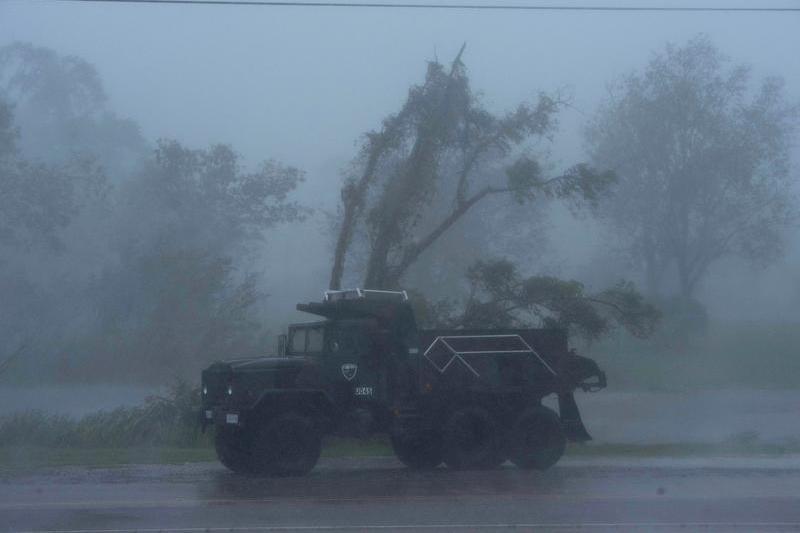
(444, 142)
(442, 154)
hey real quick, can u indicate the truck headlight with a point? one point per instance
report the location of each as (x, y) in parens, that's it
(230, 390)
(205, 390)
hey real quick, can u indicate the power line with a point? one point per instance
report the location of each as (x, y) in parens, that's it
(462, 7)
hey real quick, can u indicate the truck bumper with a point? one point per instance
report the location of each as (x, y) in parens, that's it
(216, 416)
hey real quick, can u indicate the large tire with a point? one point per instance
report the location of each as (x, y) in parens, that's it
(287, 445)
(471, 440)
(233, 450)
(537, 439)
(418, 450)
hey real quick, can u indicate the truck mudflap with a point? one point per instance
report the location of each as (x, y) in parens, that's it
(571, 421)
(582, 373)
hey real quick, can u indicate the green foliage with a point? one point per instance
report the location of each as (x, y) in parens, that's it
(38, 200)
(152, 278)
(169, 310)
(500, 297)
(702, 160)
(62, 107)
(524, 178)
(431, 163)
(206, 194)
(583, 183)
(8, 133)
(175, 299)
(429, 313)
(162, 421)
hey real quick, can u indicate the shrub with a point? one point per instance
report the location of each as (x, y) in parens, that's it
(169, 420)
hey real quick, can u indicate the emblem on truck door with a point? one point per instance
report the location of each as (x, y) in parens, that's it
(349, 371)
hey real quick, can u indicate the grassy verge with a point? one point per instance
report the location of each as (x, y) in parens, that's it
(681, 450)
(18, 458)
(15, 458)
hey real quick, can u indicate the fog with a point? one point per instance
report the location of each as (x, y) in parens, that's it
(302, 86)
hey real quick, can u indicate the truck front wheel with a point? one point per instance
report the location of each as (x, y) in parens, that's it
(418, 450)
(537, 440)
(287, 445)
(471, 439)
(233, 450)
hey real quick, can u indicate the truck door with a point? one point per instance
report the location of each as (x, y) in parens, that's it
(354, 365)
(341, 364)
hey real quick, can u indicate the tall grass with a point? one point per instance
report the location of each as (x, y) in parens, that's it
(169, 420)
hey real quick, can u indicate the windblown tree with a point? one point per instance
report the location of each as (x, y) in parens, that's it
(443, 148)
(176, 298)
(702, 161)
(500, 296)
(433, 162)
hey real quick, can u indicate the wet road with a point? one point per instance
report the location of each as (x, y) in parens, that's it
(376, 493)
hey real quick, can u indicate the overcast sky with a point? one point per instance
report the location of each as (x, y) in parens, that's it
(301, 84)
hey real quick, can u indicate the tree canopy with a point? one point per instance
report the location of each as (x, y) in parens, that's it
(703, 164)
(430, 164)
(433, 161)
(38, 200)
(62, 109)
(500, 296)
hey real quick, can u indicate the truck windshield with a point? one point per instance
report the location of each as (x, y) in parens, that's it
(307, 340)
(298, 342)
(315, 340)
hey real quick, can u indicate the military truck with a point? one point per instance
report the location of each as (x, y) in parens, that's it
(468, 398)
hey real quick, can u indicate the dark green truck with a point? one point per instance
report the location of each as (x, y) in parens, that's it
(465, 398)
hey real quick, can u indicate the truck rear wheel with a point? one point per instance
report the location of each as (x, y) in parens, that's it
(233, 451)
(287, 445)
(420, 451)
(471, 440)
(537, 440)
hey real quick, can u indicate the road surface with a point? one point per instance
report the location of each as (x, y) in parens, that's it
(377, 494)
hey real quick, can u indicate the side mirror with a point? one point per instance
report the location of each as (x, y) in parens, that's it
(282, 344)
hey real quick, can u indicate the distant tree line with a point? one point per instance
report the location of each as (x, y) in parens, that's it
(119, 259)
(702, 160)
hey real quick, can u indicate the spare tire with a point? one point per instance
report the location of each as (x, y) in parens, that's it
(537, 439)
(471, 439)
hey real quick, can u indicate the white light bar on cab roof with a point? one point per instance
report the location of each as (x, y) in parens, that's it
(358, 294)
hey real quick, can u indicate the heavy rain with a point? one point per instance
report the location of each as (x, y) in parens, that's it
(427, 265)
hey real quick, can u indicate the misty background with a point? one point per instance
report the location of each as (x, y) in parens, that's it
(148, 278)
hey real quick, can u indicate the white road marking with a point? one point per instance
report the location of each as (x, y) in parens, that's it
(529, 525)
(191, 502)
